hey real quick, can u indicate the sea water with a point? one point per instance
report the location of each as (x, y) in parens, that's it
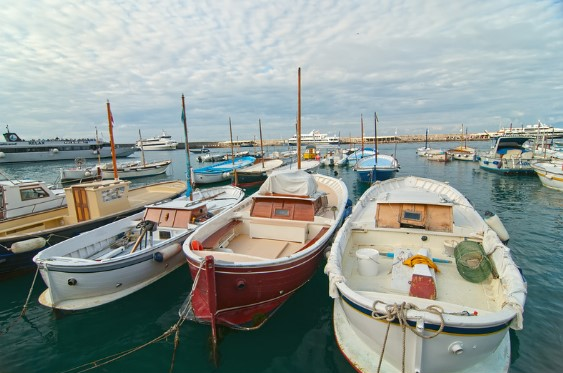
(299, 337)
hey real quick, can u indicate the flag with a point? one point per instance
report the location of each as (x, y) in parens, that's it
(183, 115)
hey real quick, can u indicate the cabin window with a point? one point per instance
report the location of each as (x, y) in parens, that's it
(412, 215)
(164, 235)
(33, 193)
(281, 212)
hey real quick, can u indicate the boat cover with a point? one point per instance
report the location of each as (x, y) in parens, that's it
(298, 182)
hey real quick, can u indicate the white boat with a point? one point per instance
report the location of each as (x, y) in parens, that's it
(508, 156)
(463, 152)
(15, 149)
(257, 173)
(24, 197)
(538, 129)
(221, 171)
(422, 283)
(353, 158)
(309, 166)
(376, 167)
(438, 155)
(162, 142)
(125, 170)
(550, 173)
(314, 137)
(117, 259)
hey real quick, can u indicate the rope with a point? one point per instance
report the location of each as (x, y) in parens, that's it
(399, 312)
(174, 329)
(24, 309)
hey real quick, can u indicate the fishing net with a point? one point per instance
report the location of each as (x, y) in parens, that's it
(472, 262)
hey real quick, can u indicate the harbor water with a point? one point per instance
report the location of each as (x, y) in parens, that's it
(299, 337)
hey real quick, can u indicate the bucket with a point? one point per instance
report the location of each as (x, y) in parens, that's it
(368, 261)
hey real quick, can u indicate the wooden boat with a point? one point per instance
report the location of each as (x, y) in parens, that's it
(376, 167)
(125, 170)
(463, 152)
(117, 259)
(438, 155)
(550, 173)
(508, 156)
(258, 253)
(90, 205)
(311, 152)
(24, 197)
(422, 283)
(221, 171)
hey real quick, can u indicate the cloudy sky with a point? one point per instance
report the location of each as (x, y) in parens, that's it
(419, 64)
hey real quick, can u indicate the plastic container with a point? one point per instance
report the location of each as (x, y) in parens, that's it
(368, 261)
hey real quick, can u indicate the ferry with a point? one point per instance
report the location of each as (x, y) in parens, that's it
(315, 137)
(14, 149)
(162, 142)
(538, 129)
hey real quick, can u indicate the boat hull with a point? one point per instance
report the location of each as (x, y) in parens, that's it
(360, 337)
(40, 156)
(550, 174)
(249, 295)
(506, 167)
(371, 175)
(85, 286)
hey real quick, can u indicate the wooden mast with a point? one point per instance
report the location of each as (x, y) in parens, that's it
(233, 153)
(110, 123)
(142, 149)
(188, 166)
(261, 144)
(362, 133)
(299, 118)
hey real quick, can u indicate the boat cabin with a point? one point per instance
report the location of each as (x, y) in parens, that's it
(431, 217)
(21, 197)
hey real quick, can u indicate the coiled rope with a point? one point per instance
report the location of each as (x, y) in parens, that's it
(399, 312)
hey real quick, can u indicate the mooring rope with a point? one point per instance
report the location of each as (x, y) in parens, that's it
(174, 329)
(399, 312)
(24, 308)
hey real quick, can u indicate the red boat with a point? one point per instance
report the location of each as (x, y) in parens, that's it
(261, 251)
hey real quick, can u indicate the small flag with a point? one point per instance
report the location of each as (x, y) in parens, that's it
(183, 115)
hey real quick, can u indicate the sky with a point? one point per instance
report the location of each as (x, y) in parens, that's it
(419, 64)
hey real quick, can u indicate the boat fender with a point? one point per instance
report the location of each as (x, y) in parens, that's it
(496, 225)
(167, 252)
(2, 154)
(28, 245)
(54, 150)
(196, 245)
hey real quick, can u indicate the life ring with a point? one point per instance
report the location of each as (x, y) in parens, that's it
(196, 245)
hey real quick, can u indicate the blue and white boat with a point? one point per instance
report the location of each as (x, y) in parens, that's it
(376, 167)
(353, 158)
(508, 156)
(422, 283)
(221, 171)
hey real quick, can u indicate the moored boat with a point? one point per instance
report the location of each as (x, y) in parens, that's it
(550, 173)
(89, 205)
(421, 283)
(260, 252)
(221, 171)
(117, 259)
(376, 167)
(257, 173)
(125, 170)
(162, 142)
(508, 156)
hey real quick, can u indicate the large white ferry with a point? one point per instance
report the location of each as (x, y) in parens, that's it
(162, 142)
(315, 137)
(15, 149)
(538, 129)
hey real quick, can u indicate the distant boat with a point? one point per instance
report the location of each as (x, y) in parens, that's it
(463, 152)
(314, 137)
(82, 272)
(256, 173)
(550, 173)
(15, 149)
(24, 197)
(220, 171)
(422, 283)
(380, 167)
(438, 155)
(201, 150)
(162, 142)
(508, 156)
(125, 170)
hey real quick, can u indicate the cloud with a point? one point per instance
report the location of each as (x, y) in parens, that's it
(418, 64)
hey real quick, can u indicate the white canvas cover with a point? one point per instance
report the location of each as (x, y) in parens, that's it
(295, 182)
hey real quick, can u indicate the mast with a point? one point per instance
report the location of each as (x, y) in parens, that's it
(375, 136)
(362, 132)
(141, 147)
(233, 152)
(110, 124)
(188, 166)
(299, 118)
(261, 144)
